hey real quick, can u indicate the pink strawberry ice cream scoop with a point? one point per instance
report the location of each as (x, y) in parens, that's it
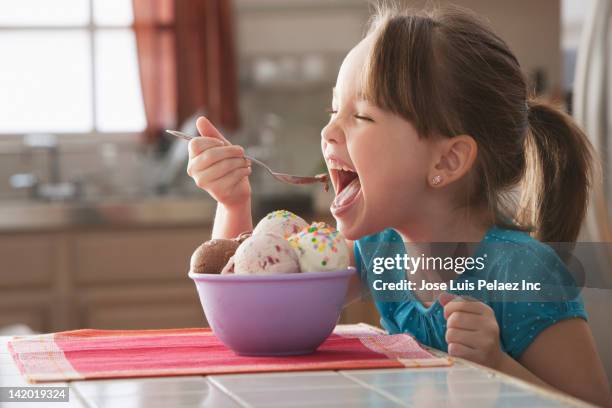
(281, 222)
(265, 253)
(320, 247)
(229, 267)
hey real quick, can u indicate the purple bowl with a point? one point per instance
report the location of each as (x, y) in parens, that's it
(273, 315)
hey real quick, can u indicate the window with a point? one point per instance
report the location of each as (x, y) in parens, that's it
(69, 66)
(573, 17)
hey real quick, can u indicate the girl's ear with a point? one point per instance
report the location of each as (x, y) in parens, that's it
(454, 158)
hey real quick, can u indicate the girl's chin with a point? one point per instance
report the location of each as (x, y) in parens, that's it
(351, 223)
(348, 232)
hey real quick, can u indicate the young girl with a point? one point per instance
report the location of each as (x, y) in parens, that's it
(431, 129)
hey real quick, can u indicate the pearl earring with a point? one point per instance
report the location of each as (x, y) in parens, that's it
(435, 180)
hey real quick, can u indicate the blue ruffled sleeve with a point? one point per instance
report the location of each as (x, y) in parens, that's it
(524, 315)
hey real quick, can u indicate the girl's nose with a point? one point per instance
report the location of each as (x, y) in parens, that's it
(332, 134)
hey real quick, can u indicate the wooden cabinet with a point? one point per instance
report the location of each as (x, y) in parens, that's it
(133, 257)
(100, 278)
(28, 260)
(148, 306)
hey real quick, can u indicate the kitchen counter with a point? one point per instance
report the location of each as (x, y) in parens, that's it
(157, 211)
(154, 211)
(462, 385)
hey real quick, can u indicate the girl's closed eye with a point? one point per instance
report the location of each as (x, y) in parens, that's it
(358, 116)
(363, 117)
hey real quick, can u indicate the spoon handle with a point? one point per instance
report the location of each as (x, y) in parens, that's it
(286, 178)
(254, 160)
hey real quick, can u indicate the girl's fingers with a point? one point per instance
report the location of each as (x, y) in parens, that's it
(199, 144)
(464, 321)
(212, 156)
(466, 338)
(239, 177)
(228, 182)
(206, 128)
(446, 297)
(468, 306)
(461, 351)
(219, 170)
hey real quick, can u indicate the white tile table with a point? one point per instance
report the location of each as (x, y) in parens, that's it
(462, 385)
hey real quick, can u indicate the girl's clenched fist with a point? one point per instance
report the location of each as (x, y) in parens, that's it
(218, 167)
(472, 331)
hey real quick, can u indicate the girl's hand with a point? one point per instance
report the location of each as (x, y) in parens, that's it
(218, 167)
(472, 331)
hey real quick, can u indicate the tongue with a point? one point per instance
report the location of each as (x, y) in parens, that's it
(348, 193)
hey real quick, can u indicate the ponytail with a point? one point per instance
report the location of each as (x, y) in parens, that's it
(558, 175)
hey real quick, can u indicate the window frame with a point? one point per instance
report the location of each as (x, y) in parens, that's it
(94, 134)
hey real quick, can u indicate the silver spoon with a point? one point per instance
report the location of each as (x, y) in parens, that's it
(285, 178)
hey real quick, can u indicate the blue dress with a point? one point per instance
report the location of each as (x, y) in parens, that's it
(507, 257)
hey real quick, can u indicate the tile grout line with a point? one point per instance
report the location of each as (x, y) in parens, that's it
(80, 396)
(550, 395)
(228, 393)
(376, 390)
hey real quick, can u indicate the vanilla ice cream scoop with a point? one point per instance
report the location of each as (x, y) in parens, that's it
(265, 253)
(320, 247)
(281, 222)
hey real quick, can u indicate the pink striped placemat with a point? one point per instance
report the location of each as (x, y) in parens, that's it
(89, 354)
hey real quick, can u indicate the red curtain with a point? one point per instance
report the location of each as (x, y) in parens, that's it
(186, 54)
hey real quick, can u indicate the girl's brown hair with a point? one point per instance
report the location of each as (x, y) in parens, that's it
(449, 74)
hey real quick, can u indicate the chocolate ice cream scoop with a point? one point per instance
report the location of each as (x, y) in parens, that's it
(212, 256)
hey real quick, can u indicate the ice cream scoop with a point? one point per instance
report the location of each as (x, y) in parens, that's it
(265, 253)
(213, 255)
(320, 247)
(281, 222)
(229, 267)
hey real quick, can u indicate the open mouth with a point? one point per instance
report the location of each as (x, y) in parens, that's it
(347, 186)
